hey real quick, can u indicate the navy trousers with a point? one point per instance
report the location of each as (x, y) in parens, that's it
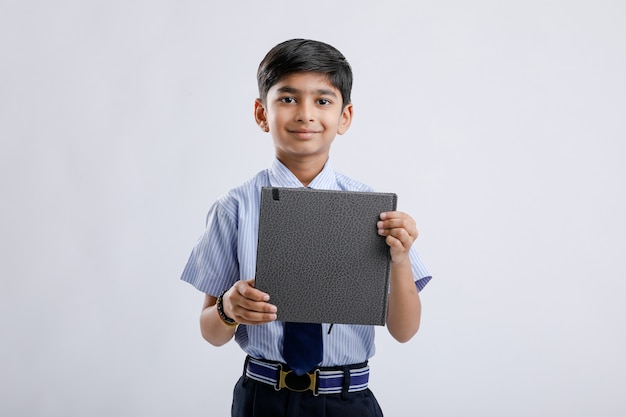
(256, 399)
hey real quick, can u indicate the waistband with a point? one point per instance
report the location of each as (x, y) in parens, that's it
(333, 380)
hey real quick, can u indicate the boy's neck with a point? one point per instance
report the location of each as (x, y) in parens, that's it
(305, 169)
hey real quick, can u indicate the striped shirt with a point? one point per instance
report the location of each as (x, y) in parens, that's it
(226, 253)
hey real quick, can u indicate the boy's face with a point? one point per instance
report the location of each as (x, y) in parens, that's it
(303, 112)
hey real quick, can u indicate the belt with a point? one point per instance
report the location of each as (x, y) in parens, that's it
(319, 381)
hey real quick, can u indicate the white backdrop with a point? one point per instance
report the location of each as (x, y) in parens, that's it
(501, 126)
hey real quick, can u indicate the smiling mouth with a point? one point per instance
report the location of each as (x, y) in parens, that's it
(304, 134)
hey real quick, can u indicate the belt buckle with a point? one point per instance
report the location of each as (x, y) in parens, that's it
(297, 383)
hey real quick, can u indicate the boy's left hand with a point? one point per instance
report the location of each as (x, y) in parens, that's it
(400, 231)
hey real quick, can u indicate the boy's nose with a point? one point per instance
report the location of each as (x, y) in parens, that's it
(305, 113)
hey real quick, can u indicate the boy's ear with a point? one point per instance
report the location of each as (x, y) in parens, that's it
(345, 119)
(260, 116)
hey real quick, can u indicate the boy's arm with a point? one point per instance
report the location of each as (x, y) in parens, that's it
(404, 307)
(242, 303)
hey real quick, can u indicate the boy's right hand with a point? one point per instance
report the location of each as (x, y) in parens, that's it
(247, 305)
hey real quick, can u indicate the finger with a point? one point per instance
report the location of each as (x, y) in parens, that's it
(396, 223)
(398, 231)
(391, 215)
(247, 290)
(402, 235)
(240, 302)
(249, 305)
(256, 306)
(255, 317)
(393, 242)
(248, 312)
(256, 312)
(394, 215)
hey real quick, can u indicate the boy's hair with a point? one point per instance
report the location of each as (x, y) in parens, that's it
(305, 55)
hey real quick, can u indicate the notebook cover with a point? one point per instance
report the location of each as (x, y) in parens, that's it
(320, 257)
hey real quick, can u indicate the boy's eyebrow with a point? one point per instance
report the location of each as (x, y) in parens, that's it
(291, 90)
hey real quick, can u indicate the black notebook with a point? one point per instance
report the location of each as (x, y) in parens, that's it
(320, 257)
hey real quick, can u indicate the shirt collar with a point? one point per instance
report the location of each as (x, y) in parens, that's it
(280, 176)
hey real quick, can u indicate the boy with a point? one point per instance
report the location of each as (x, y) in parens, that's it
(304, 102)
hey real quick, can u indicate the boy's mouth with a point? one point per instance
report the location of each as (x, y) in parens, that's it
(304, 133)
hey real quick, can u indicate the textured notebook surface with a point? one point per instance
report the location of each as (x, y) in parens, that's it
(320, 257)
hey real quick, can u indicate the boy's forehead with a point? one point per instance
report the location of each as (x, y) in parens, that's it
(304, 81)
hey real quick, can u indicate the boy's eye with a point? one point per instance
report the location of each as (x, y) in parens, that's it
(323, 101)
(288, 100)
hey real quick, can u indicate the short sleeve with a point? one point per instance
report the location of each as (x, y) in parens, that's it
(212, 266)
(420, 272)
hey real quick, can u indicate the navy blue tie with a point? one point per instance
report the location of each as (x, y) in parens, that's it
(302, 346)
